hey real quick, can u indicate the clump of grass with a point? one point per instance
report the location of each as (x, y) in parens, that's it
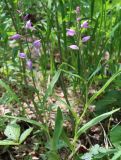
(66, 44)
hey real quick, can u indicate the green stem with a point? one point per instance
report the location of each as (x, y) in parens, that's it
(84, 111)
(20, 45)
(61, 59)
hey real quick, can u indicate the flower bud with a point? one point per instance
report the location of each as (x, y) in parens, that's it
(29, 25)
(37, 44)
(29, 64)
(85, 24)
(85, 39)
(22, 55)
(74, 47)
(77, 9)
(15, 37)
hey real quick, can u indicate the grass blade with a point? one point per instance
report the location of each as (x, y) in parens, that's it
(94, 122)
(58, 128)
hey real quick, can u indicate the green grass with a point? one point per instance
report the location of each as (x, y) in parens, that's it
(59, 66)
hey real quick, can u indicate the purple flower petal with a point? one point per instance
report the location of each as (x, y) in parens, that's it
(85, 39)
(70, 32)
(22, 55)
(74, 47)
(29, 25)
(37, 44)
(85, 24)
(15, 37)
(29, 64)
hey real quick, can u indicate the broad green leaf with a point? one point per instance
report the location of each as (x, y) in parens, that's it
(108, 152)
(27, 120)
(95, 149)
(7, 143)
(104, 87)
(9, 90)
(66, 140)
(87, 156)
(12, 131)
(117, 155)
(58, 128)
(115, 136)
(52, 83)
(107, 102)
(25, 134)
(94, 122)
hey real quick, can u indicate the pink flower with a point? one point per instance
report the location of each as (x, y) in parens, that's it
(85, 24)
(78, 19)
(85, 39)
(29, 25)
(74, 47)
(15, 37)
(70, 32)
